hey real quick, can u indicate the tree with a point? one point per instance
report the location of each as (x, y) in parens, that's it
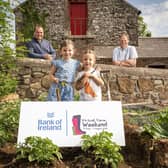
(142, 28)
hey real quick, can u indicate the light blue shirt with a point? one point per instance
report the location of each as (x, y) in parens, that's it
(120, 54)
(66, 69)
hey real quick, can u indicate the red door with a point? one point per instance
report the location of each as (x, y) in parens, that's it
(78, 17)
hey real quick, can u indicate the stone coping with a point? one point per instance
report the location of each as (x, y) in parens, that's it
(124, 71)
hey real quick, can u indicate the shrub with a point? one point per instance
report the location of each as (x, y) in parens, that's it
(7, 84)
(159, 126)
(103, 149)
(38, 149)
(9, 121)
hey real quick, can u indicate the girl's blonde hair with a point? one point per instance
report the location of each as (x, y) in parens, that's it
(67, 42)
(89, 51)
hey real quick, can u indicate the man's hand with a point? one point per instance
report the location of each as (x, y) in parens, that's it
(48, 57)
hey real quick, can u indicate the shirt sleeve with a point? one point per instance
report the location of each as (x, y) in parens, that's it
(55, 63)
(97, 73)
(133, 53)
(31, 52)
(115, 53)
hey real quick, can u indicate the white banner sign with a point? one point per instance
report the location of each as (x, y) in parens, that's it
(65, 122)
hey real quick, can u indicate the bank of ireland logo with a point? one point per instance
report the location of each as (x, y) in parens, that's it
(50, 114)
(76, 120)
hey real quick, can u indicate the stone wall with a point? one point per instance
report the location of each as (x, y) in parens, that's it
(33, 79)
(130, 85)
(153, 47)
(153, 52)
(107, 19)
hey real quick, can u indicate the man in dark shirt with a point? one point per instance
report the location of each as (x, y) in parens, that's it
(39, 47)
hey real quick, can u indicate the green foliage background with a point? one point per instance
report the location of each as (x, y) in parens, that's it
(8, 51)
(9, 121)
(159, 127)
(143, 28)
(7, 54)
(31, 18)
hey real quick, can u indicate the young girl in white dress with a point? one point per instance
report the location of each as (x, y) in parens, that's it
(88, 81)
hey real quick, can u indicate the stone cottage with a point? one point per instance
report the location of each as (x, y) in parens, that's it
(94, 23)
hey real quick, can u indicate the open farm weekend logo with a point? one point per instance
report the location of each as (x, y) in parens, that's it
(80, 126)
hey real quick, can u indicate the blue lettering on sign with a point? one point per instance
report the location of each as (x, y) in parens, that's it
(49, 125)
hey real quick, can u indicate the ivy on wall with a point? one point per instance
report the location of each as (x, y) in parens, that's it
(31, 17)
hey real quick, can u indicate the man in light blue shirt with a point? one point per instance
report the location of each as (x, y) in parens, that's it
(124, 55)
(39, 47)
